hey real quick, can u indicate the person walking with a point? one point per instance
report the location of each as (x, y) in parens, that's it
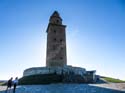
(9, 83)
(15, 83)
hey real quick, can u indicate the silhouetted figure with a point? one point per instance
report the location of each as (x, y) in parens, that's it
(15, 83)
(9, 83)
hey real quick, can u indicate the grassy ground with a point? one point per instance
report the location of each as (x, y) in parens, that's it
(113, 80)
(2, 83)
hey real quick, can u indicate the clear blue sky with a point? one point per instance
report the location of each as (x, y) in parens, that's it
(95, 35)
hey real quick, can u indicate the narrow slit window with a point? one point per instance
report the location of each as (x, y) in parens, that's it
(54, 39)
(61, 40)
(57, 21)
(54, 31)
(61, 57)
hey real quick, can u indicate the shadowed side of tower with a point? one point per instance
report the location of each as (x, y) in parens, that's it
(56, 42)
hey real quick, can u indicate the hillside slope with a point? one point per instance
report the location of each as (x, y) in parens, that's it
(112, 80)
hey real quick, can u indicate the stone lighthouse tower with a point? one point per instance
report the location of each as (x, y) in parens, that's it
(56, 59)
(56, 42)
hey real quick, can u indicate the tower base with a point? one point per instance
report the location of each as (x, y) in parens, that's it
(66, 74)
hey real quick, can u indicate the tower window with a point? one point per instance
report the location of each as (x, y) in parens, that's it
(54, 31)
(61, 57)
(61, 48)
(57, 21)
(54, 39)
(61, 40)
